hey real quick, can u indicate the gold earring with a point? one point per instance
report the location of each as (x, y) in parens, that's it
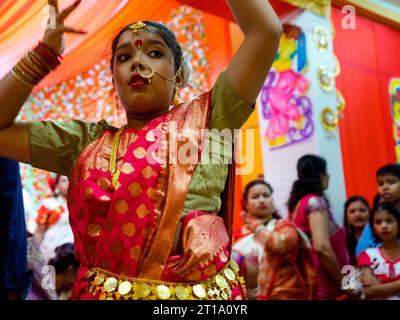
(176, 100)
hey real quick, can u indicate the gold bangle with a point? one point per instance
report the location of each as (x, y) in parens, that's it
(23, 77)
(45, 61)
(25, 74)
(37, 60)
(20, 79)
(35, 65)
(29, 71)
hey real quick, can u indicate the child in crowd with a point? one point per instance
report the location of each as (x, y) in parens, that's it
(388, 180)
(381, 266)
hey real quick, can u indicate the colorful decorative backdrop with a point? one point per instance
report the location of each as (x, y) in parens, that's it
(284, 101)
(394, 92)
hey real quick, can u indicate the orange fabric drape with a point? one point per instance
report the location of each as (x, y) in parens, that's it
(369, 58)
(22, 23)
(221, 8)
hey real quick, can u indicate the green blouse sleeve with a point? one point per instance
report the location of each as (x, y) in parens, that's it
(55, 145)
(228, 109)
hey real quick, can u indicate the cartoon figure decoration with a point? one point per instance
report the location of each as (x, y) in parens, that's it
(285, 105)
(394, 91)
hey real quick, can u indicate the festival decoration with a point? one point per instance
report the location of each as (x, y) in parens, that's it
(321, 38)
(337, 69)
(340, 104)
(325, 79)
(285, 105)
(329, 119)
(394, 91)
(188, 25)
(340, 100)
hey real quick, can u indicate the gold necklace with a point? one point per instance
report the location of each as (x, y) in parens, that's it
(113, 157)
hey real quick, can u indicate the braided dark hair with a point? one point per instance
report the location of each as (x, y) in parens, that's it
(64, 258)
(310, 169)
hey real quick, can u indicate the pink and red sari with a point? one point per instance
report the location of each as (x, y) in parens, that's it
(326, 288)
(130, 230)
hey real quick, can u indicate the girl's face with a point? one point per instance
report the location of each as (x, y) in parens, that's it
(385, 225)
(357, 214)
(65, 280)
(259, 201)
(63, 185)
(389, 188)
(139, 96)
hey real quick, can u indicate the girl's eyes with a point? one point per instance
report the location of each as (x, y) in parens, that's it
(155, 54)
(261, 195)
(123, 57)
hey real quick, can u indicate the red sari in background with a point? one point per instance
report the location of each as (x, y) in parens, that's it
(286, 270)
(326, 287)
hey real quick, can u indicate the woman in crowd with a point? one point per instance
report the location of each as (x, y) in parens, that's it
(258, 207)
(276, 257)
(356, 215)
(310, 211)
(53, 223)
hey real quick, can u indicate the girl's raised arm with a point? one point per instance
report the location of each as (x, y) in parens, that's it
(17, 85)
(251, 63)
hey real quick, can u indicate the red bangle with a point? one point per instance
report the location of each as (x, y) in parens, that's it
(49, 50)
(48, 55)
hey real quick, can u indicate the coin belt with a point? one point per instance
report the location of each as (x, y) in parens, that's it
(113, 286)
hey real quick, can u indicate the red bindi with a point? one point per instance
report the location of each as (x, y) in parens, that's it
(138, 43)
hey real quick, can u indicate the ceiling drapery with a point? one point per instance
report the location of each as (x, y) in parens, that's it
(21, 25)
(21, 28)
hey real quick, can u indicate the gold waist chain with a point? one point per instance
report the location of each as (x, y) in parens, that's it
(117, 287)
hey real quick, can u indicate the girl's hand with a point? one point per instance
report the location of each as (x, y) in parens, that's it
(54, 35)
(253, 223)
(251, 265)
(368, 279)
